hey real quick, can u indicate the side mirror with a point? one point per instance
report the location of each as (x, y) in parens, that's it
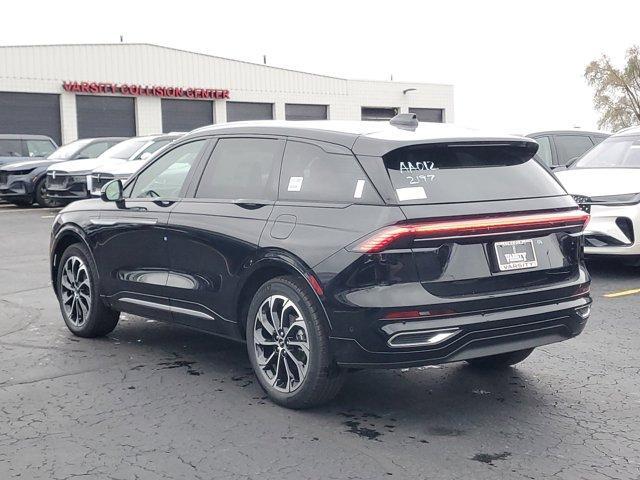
(146, 156)
(112, 192)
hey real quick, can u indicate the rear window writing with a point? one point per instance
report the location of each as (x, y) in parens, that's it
(468, 173)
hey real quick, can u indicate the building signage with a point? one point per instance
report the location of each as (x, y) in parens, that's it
(145, 90)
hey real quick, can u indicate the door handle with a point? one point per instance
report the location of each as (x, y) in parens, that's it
(123, 221)
(251, 204)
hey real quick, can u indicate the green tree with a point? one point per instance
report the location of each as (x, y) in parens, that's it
(617, 90)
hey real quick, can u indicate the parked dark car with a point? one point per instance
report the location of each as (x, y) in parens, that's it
(329, 246)
(560, 147)
(23, 183)
(18, 147)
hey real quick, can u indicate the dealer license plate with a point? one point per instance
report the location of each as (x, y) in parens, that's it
(515, 255)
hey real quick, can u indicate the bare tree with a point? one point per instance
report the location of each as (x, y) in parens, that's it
(617, 91)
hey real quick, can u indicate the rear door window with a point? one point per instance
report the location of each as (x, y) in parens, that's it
(430, 174)
(310, 173)
(242, 168)
(571, 146)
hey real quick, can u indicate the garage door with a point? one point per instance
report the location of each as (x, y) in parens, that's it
(428, 114)
(105, 116)
(237, 111)
(32, 113)
(299, 111)
(185, 115)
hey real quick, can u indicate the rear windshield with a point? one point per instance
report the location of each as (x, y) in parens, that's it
(426, 174)
(615, 152)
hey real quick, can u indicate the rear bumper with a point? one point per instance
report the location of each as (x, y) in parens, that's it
(477, 335)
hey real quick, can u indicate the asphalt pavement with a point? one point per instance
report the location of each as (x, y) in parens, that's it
(157, 401)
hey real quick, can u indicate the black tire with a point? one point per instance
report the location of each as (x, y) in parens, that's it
(323, 379)
(41, 195)
(504, 360)
(99, 319)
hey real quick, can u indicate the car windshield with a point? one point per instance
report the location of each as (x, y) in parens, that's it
(124, 150)
(615, 152)
(151, 148)
(10, 148)
(67, 151)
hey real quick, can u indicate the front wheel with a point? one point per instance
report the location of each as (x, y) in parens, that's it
(502, 360)
(288, 345)
(41, 195)
(77, 286)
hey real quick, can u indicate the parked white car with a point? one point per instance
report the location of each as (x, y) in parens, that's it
(103, 174)
(67, 181)
(606, 182)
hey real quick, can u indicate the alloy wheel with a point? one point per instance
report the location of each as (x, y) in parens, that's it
(281, 343)
(75, 290)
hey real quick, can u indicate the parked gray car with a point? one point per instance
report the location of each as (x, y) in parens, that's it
(23, 182)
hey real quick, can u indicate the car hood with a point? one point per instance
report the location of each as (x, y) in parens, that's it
(595, 182)
(12, 167)
(8, 160)
(84, 165)
(121, 169)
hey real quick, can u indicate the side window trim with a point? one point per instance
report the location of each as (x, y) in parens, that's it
(134, 178)
(208, 157)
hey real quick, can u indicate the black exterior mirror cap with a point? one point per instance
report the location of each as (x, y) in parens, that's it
(112, 191)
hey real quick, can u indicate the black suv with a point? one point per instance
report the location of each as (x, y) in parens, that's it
(330, 246)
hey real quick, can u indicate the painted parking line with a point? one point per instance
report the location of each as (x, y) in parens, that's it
(28, 210)
(622, 293)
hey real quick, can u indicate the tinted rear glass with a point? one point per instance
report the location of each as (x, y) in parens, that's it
(467, 173)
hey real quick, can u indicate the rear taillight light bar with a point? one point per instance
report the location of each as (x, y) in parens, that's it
(471, 227)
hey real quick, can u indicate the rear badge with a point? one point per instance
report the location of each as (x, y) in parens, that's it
(515, 255)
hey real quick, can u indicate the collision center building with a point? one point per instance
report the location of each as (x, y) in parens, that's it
(80, 91)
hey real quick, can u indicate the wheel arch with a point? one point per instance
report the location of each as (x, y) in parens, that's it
(272, 265)
(69, 235)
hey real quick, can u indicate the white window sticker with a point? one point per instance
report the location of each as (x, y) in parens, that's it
(359, 189)
(411, 193)
(295, 184)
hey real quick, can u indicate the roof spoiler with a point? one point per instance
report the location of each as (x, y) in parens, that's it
(405, 120)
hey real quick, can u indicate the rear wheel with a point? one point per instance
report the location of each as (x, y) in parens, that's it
(503, 360)
(82, 309)
(288, 345)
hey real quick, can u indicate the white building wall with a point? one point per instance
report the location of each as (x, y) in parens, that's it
(42, 69)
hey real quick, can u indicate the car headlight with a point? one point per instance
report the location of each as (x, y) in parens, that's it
(624, 199)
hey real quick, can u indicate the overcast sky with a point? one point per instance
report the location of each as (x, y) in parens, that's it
(516, 66)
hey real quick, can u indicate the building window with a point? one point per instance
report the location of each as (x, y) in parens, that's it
(238, 111)
(299, 111)
(429, 114)
(381, 114)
